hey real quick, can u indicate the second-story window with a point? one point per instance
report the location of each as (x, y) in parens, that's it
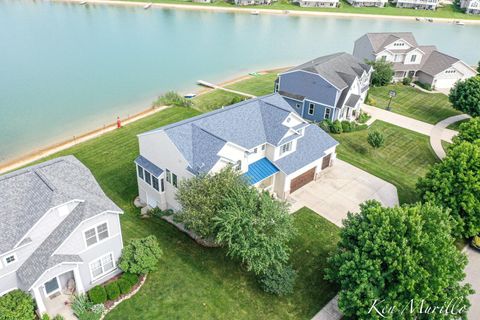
(96, 234)
(10, 259)
(311, 109)
(327, 113)
(286, 148)
(413, 58)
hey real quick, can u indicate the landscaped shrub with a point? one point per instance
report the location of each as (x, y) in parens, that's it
(375, 139)
(140, 256)
(363, 117)
(325, 125)
(58, 317)
(97, 295)
(81, 305)
(124, 286)
(171, 98)
(113, 291)
(336, 127)
(130, 278)
(279, 282)
(382, 73)
(407, 81)
(468, 131)
(17, 305)
(425, 86)
(371, 101)
(45, 316)
(157, 212)
(465, 96)
(347, 126)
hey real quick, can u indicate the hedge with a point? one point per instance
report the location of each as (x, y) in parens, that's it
(113, 291)
(124, 286)
(97, 295)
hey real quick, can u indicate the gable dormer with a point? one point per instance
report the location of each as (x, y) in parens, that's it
(399, 44)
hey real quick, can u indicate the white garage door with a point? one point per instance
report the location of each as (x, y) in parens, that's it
(445, 83)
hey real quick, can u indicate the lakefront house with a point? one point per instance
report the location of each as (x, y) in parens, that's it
(367, 3)
(417, 4)
(330, 87)
(470, 6)
(59, 233)
(318, 3)
(421, 63)
(263, 138)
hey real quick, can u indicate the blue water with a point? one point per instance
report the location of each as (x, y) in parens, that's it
(66, 68)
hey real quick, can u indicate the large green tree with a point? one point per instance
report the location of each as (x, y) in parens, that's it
(17, 305)
(454, 183)
(465, 96)
(202, 197)
(397, 258)
(256, 229)
(468, 131)
(382, 72)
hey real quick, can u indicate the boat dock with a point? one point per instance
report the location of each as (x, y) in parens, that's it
(214, 86)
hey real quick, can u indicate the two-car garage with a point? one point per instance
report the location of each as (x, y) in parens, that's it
(309, 175)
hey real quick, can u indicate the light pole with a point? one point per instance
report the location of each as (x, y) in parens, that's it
(392, 94)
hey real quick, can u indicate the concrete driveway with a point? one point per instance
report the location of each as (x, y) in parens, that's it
(341, 189)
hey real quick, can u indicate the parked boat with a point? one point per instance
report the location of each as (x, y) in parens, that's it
(190, 95)
(147, 6)
(255, 74)
(418, 19)
(430, 20)
(459, 23)
(255, 12)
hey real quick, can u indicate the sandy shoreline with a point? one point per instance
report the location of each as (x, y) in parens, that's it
(274, 11)
(21, 161)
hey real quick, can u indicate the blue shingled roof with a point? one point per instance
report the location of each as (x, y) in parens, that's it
(259, 170)
(149, 166)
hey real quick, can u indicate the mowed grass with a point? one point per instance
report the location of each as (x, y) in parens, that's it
(413, 103)
(259, 85)
(215, 99)
(193, 282)
(403, 159)
(447, 11)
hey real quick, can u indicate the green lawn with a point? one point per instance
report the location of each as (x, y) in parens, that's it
(258, 85)
(193, 282)
(214, 99)
(413, 103)
(404, 158)
(448, 11)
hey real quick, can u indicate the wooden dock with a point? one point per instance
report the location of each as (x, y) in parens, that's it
(214, 86)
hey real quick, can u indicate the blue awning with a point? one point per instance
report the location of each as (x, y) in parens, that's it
(150, 167)
(260, 170)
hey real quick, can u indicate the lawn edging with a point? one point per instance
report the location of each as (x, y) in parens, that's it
(201, 241)
(125, 297)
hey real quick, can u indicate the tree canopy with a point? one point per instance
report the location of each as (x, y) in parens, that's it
(468, 131)
(17, 305)
(465, 96)
(382, 73)
(388, 256)
(454, 183)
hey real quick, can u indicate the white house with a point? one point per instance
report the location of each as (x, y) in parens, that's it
(421, 63)
(368, 3)
(263, 138)
(59, 233)
(470, 6)
(418, 4)
(331, 87)
(318, 3)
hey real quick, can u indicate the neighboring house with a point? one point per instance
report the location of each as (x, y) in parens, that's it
(418, 4)
(330, 87)
(59, 233)
(421, 63)
(251, 2)
(368, 3)
(263, 138)
(318, 3)
(470, 6)
(203, 1)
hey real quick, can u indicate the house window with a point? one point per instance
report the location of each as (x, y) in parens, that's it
(140, 172)
(174, 180)
(311, 109)
(162, 185)
(51, 286)
(96, 234)
(297, 105)
(10, 259)
(147, 177)
(263, 147)
(413, 58)
(102, 266)
(286, 148)
(327, 113)
(155, 183)
(169, 176)
(238, 165)
(255, 150)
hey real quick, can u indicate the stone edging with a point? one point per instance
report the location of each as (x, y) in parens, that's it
(125, 297)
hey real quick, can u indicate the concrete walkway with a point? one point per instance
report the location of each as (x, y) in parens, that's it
(472, 270)
(439, 131)
(214, 86)
(330, 311)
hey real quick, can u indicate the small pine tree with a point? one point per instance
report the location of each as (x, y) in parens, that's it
(376, 139)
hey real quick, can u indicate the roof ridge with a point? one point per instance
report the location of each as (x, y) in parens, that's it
(31, 169)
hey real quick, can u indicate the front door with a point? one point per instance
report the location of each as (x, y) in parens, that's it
(51, 286)
(326, 161)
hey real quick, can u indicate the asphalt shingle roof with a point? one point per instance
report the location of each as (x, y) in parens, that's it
(27, 194)
(382, 39)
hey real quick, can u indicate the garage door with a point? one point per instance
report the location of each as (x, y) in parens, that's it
(445, 83)
(302, 180)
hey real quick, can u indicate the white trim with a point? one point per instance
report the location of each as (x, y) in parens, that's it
(49, 269)
(94, 279)
(7, 291)
(325, 112)
(44, 215)
(107, 239)
(95, 226)
(80, 224)
(15, 249)
(310, 104)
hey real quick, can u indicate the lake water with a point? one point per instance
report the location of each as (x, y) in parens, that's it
(66, 68)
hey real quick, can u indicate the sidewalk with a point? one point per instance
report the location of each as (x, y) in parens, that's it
(330, 311)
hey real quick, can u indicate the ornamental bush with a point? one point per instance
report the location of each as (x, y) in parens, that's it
(97, 295)
(375, 139)
(279, 282)
(130, 278)
(113, 291)
(81, 305)
(407, 81)
(140, 256)
(124, 286)
(17, 305)
(336, 127)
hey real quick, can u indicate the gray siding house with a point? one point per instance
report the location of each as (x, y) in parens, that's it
(59, 233)
(330, 87)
